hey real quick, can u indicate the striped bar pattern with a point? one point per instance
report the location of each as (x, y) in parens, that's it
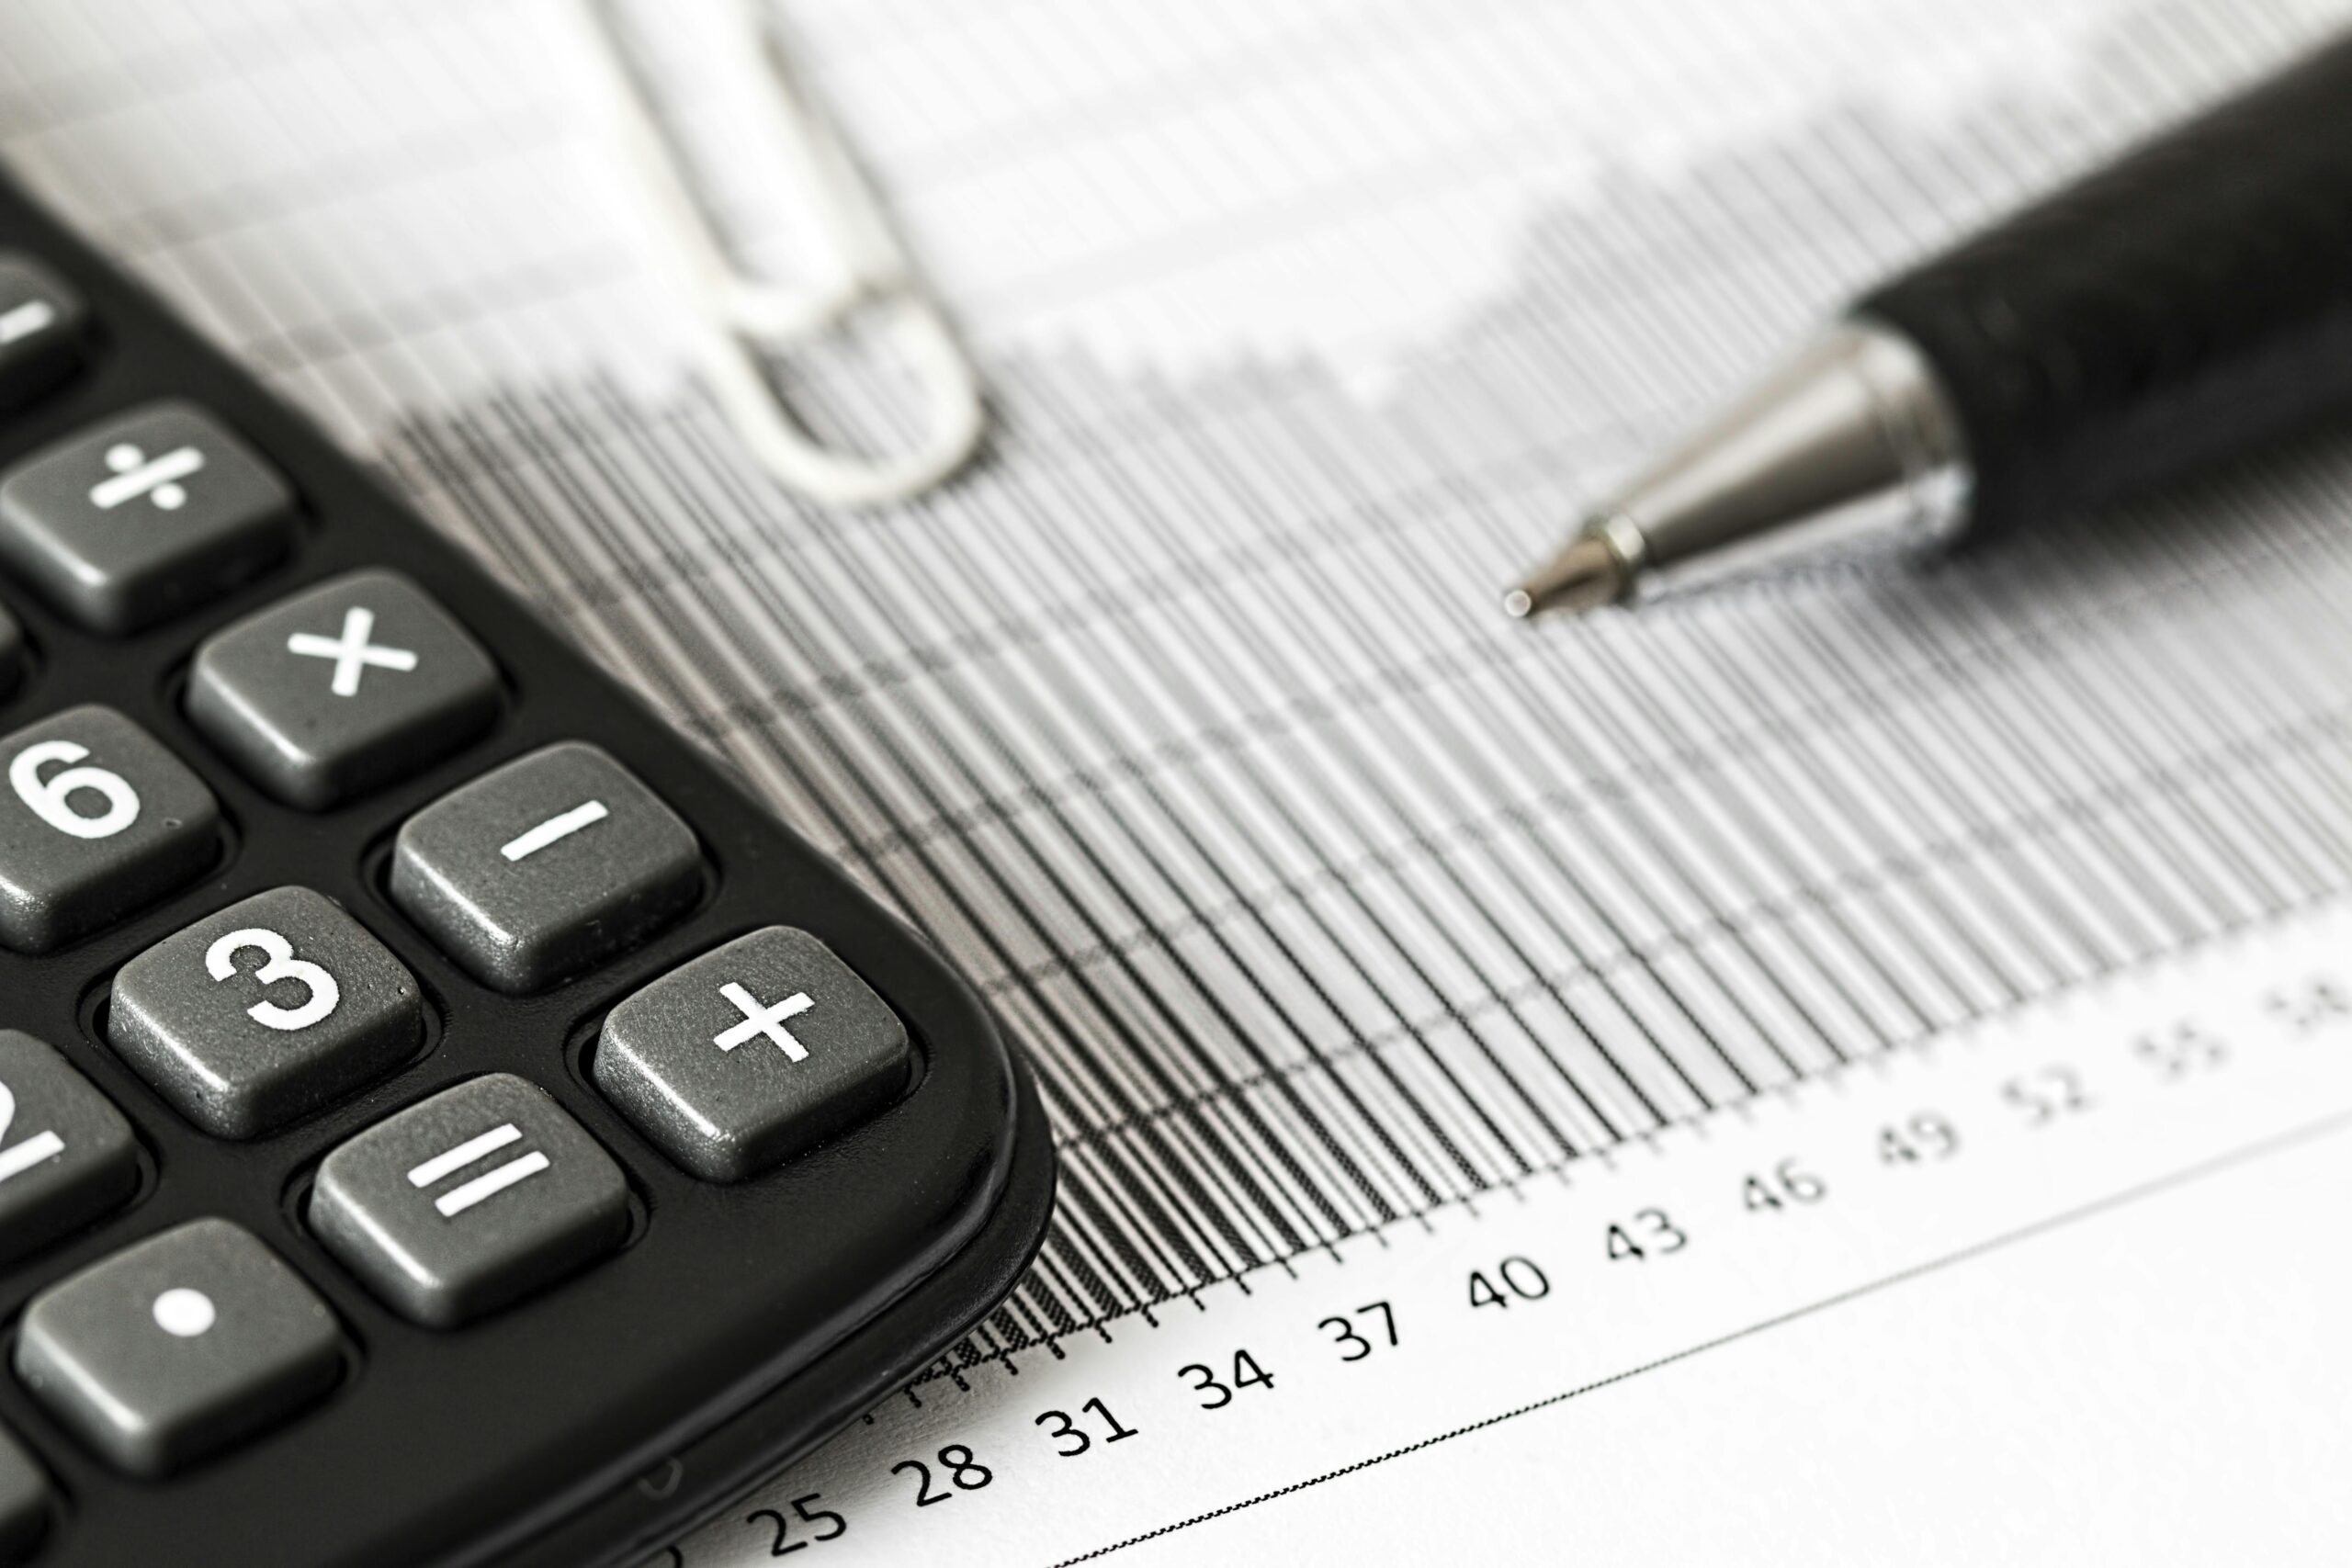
(1320, 896)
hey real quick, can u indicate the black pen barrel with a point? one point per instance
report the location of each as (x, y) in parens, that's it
(2187, 301)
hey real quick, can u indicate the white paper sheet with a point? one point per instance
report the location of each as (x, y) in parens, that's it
(1363, 942)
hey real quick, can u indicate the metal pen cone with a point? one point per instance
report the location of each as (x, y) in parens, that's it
(1584, 576)
(1849, 449)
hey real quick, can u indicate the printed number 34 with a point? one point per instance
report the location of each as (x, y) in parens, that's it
(321, 992)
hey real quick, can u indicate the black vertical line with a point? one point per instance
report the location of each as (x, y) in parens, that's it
(1461, 744)
(1275, 800)
(1134, 1184)
(1229, 1161)
(1240, 826)
(1033, 791)
(1787, 763)
(2129, 745)
(1368, 659)
(950, 547)
(1762, 665)
(1212, 648)
(2023, 711)
(2025, 878)
(2158, 711)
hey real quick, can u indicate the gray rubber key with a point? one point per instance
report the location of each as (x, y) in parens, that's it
(543, 867)
(342, 689)
(270, 1009)
(66, 1155)
(473, 1199)
(145, 515)
(41, 324)
(178, 1346)
(96, 819)
(751, 1054)
(24, 1500)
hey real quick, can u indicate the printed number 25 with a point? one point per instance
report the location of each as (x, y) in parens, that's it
(782, 1544)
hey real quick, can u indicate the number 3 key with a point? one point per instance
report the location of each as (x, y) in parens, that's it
(269, 1008)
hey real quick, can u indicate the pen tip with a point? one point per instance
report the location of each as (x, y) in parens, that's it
(1584, 576)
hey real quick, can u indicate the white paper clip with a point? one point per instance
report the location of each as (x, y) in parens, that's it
(741, 317)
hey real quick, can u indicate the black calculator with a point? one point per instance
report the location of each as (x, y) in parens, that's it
(443, 1118)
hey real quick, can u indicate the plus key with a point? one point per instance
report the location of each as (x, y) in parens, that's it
(729, 1114)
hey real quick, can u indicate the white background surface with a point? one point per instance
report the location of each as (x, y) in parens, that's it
(1184, 724)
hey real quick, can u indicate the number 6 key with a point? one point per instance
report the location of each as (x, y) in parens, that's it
(96, 819)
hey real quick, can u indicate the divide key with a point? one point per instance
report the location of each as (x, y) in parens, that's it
(137, 519)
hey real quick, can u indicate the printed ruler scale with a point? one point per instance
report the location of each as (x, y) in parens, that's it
(1877, 1178)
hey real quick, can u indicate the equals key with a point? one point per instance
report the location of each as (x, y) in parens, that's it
(481, 1194)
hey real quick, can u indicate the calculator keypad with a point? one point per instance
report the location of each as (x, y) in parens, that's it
(545, 866)
(312, 932)
(478, 1196)
(751, 1054)
(96, 821)
(177, 1347)
(147, 515)
(66, 1154)
(41, 323)
(341, 689)
(270, 1009)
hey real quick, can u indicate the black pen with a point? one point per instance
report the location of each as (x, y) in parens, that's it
(2177, 306)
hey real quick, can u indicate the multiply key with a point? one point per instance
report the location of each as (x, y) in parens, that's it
(342, 689)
